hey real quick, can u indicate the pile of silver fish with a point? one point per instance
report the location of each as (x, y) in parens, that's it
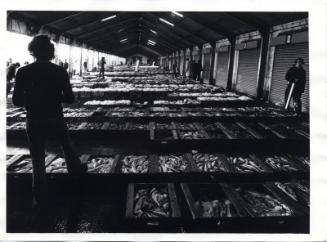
(93, 125)
(152, 203)
(244, 164)
(190, 134)
(100, 164)
(172, 163)
(57, 166)
(280, 163)
(18, 126)
(214, 208)
(138, 126)
(295, 190)
(209, 163)
(73, 126)
(135, 164)
(23, 166)
(263, 204)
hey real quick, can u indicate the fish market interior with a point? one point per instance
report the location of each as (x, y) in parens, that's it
(185, 122)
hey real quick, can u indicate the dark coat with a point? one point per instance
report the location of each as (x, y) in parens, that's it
(297, 76)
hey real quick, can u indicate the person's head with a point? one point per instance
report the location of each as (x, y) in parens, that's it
(41, 48)
(26, 63)
(298, 63)
(17, 64)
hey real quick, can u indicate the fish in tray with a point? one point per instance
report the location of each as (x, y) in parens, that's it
(163, 125)
(280, 163)
(100, 164)
(172, 163)
(73, 126)
(57, 166)
(138, 126)
(244, 164)
(18, 126)
(190, 134)
(135, 164)
(93, 125)
(296, 190)
(152, 203)
(263, 204)
(209, 163)
(214, 208)
(23, 166)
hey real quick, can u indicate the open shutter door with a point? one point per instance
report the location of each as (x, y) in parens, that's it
(222, 69)
(247, 73)
(283, 60)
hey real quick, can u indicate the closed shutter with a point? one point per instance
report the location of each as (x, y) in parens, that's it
(222, 69)
(283, 60)
(206, 66)
(247, 73)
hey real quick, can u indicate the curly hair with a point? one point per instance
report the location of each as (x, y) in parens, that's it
(41, 48)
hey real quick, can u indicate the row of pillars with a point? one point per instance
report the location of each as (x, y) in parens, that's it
(262, 62)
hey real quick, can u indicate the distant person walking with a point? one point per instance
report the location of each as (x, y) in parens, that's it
(102, 64)
(41, 87)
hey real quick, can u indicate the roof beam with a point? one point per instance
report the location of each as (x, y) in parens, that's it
(220, 31)
(248, 20)
(187, 31)
(88, 33)
(62, 19)
(176, 37)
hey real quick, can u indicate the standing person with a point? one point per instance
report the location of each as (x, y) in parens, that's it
(102, 63)
(193, 70)
(175, 68)
(297, 75)
(9, 62)
(137, 65)
(41, 87)
(85, 66)
(197, 71)
(65, 65)
(11, 73)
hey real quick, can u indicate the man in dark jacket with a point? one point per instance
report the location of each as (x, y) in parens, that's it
(198, 69)
(297, 75)
(41, 87)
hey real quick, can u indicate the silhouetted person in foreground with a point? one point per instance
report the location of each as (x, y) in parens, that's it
(41, 87)
(297, 75)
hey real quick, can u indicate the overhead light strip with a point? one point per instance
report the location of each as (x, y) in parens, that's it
(166, 22)
(178, 14)
(155, 32)
(111, 17)
(123, 40)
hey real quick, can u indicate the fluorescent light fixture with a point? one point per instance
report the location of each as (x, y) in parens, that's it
(155, 32)
(166, 22)
(111, 17)
(121, 30)
(178, 14)
(151, 42)
(124, 40)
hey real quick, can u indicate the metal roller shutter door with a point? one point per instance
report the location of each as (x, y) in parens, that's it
(206, 67)
(247, 73)
(283, 60)
(222, 69)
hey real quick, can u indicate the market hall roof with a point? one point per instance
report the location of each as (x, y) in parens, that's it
(150, 33)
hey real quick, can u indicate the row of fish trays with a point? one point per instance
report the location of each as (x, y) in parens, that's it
(178, 164)
(156, 114)
(229, 130)
(219, 204)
